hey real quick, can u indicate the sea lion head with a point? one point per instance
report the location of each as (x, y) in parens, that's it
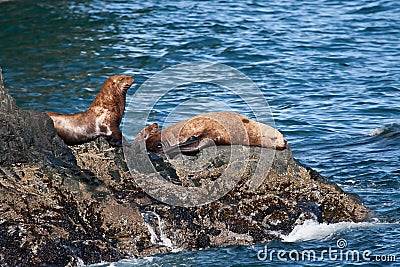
(277, 140)
(120, 83)
(152, 137)
(266, 136)
(281, 142)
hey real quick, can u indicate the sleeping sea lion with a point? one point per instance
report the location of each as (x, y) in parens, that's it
(219, 128)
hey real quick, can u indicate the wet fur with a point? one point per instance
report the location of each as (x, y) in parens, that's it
(102, 118)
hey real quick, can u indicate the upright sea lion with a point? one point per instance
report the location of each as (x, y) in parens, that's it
(101, 119)
(219, 128)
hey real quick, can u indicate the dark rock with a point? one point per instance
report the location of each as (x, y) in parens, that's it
(52, 212)
(64, 205)
(29, 136)
(288, 196)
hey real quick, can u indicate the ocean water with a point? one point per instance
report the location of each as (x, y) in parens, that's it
(329, 71)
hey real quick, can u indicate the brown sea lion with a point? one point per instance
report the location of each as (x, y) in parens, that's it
(101, 119)
(219, 128)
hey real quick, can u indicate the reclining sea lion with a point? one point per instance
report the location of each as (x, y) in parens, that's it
(219, 128)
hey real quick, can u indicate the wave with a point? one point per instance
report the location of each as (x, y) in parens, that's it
(145, 261)
(312, 230)
(387, 131)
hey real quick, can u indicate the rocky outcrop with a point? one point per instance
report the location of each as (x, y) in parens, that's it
(69, 205)
(52, 211)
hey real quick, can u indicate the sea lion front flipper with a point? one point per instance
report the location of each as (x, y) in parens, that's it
(115, 138)
(187, 147)
(193, 145)
(191, 140)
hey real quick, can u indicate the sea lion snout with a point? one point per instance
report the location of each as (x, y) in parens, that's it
(122, 82)
(281, 144)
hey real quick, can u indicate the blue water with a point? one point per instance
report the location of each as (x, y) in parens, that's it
(330, 71)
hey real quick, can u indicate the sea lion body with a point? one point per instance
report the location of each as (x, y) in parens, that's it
(219, 128)
(102, 118)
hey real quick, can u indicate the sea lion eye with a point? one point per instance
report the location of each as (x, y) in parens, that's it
(121, 80)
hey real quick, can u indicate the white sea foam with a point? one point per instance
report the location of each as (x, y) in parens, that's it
(388, 128)
(377, 131)
(160, 239)
(311, 229)
(145, 261)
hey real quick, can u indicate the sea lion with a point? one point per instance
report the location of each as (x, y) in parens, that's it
(219, 128)
(102, 117)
